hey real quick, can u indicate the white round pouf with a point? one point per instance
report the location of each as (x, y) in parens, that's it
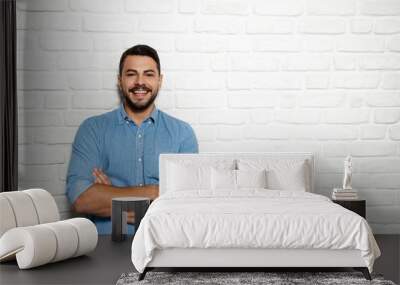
(33, 246)
(7, 216)
(87, 234)
(31, 233)
(23, 207)
(40, 244)
(45, 205)
(67, 239)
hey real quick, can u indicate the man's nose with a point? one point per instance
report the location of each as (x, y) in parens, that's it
(139, 80)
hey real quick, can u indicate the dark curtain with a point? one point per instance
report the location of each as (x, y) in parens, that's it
(8, 98)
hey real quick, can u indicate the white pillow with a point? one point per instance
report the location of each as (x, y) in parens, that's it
(230, 180)
(223, 179)
(188, 177)
(252, 178)
(293, 180)
(282, 174)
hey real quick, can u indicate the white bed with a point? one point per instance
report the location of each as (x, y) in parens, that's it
(222, 216)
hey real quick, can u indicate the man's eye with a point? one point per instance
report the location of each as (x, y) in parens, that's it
(150, 74)
(130, 74)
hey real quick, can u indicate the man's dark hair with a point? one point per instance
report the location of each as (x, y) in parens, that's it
(144, 50)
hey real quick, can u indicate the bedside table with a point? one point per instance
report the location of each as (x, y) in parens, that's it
(357, 206)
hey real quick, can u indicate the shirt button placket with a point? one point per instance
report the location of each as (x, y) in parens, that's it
(139, 140)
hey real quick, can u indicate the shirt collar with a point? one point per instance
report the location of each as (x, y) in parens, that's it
(154, 114)
(123, 116)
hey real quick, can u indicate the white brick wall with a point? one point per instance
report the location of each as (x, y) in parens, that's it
(288, 75)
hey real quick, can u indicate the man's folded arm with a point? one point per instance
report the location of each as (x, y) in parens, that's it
(96, 200)
(87, 194)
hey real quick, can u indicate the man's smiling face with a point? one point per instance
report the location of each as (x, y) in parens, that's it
(139, 82)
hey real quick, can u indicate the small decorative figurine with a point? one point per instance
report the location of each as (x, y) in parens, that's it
(348, 169)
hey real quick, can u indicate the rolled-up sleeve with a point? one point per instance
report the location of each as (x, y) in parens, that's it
(189, 143)
(85, 156)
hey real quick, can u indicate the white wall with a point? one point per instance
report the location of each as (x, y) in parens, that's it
(287, 75)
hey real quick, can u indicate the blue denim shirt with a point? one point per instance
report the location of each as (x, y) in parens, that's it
(127, 153)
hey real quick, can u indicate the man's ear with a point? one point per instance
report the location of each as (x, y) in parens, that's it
(161, 80)
(119, 82)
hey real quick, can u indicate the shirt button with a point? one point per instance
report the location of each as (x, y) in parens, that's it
(127, 122)
(140, 184)
(140, 159)
(139, 135)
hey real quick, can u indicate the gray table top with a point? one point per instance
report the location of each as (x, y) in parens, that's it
(104, 265)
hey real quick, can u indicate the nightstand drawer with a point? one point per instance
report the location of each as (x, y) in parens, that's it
(357, 206)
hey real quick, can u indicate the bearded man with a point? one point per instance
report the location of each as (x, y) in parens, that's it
(116, 154)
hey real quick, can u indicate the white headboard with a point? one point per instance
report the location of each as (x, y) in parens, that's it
(165, 158)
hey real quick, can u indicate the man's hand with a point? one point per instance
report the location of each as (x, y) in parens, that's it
(100, 177)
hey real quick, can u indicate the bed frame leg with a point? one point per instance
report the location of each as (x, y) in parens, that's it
(143, 274)
(364, 271)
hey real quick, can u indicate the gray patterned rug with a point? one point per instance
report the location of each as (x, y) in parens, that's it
(269, 278)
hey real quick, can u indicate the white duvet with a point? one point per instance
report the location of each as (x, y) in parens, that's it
(251, 219)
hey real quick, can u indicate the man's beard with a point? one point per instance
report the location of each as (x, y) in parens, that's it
(139, 107)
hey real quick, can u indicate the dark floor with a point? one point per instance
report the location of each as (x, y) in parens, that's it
(389, 262)
(111, 259)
